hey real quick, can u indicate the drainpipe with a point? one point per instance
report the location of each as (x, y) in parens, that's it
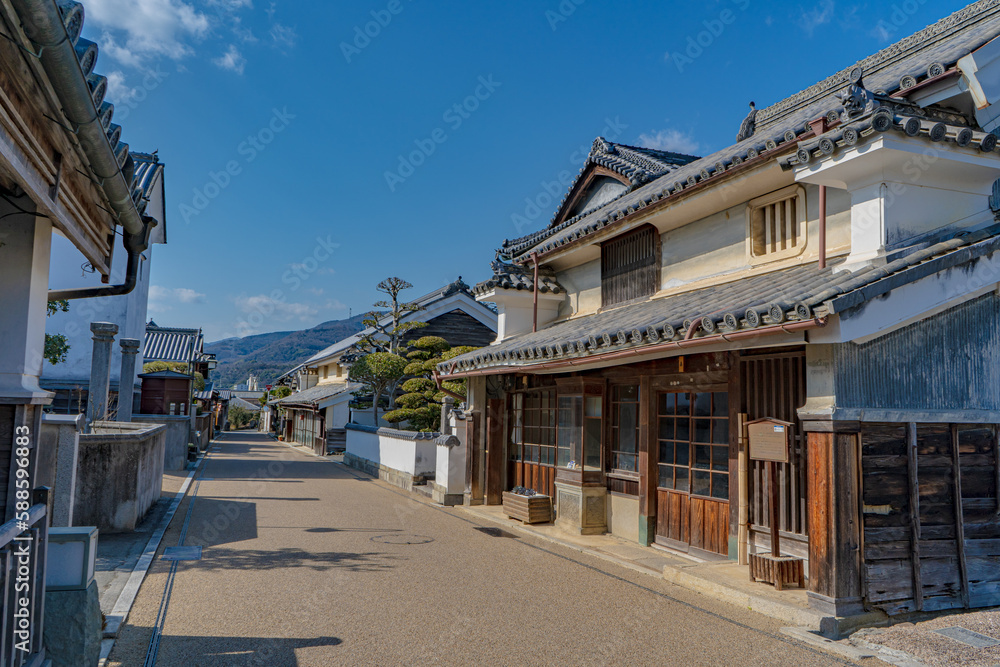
(135, 245)
(534, 294)
(819, 127)
(437, 381)
(43, 25)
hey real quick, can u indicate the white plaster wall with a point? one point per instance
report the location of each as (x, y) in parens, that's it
(127, 311)
(338, 415)
(583, 287)
(416, 457)
(450, 469)
(714, 246)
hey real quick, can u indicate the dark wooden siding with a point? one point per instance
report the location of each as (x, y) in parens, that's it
(630, 266)
(931, 535)
(939, 363)
(458, 328)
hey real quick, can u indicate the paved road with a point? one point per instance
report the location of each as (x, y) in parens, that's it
(307, 562)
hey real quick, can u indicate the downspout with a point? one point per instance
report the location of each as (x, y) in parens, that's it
(534, 294)
(43, 25)
(437, 381)
(135, 245)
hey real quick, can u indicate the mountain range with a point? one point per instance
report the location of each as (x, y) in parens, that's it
(269, 355)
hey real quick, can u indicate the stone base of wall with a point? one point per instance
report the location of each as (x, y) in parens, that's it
(403, 480)
(581, 510)
(439, 494)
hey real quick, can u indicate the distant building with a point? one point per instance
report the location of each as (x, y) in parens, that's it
(323, 393)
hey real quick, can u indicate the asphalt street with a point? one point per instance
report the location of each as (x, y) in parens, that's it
(308, 562)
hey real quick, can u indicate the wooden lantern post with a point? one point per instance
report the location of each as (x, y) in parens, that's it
(769, 442)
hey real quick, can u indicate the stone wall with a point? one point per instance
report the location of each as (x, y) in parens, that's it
(119, 474)
(178, 437)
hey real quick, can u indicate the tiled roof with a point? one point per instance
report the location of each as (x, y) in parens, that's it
(205, 395)
(225, 394)
(148, 169)
(779, 126)
(794, 294)
(315, 394)
(517, 277)
(238, 393)
(638, 164)
(458, 286)
(170, 344)
(239, 402)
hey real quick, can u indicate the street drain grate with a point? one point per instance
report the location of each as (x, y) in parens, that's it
(402, 539)
(493, 532)
(969, 637)
(182, 553)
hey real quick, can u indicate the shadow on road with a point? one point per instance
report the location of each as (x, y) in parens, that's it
(229, 651)
(250, 559)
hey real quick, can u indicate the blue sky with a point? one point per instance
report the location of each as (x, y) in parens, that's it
(315, 148)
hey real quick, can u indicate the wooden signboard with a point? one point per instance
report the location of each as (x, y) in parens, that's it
(769, 440)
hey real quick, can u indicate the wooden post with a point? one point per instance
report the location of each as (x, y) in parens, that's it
(911, 464)
(773, 502)
(959, 516)
(743, 480)
(648, 468)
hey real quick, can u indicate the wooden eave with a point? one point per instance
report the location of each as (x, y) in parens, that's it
(34, 131)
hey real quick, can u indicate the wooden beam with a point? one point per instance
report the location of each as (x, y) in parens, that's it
(911, 465)
(956, 472)
(648, 454)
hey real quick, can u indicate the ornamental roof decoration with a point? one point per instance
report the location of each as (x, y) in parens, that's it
(637, 164)
(749, 124)
(518, 277)
(779, 128)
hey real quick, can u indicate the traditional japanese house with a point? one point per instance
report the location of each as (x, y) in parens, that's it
(835, 271)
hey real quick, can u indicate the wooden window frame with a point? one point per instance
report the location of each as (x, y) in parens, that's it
(801, 223)
(623, 285)
(614, 428)
(524, 431)
(689, 463)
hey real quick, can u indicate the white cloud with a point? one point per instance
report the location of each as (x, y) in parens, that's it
(160, 297)
(815, 17)
(277, 309)
(118, 90)
(284, 36)
(232, 60)
(231, 5)
(148, 28)
(669, 140)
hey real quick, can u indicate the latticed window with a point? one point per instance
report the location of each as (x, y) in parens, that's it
(630, 266)
(776, 225)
